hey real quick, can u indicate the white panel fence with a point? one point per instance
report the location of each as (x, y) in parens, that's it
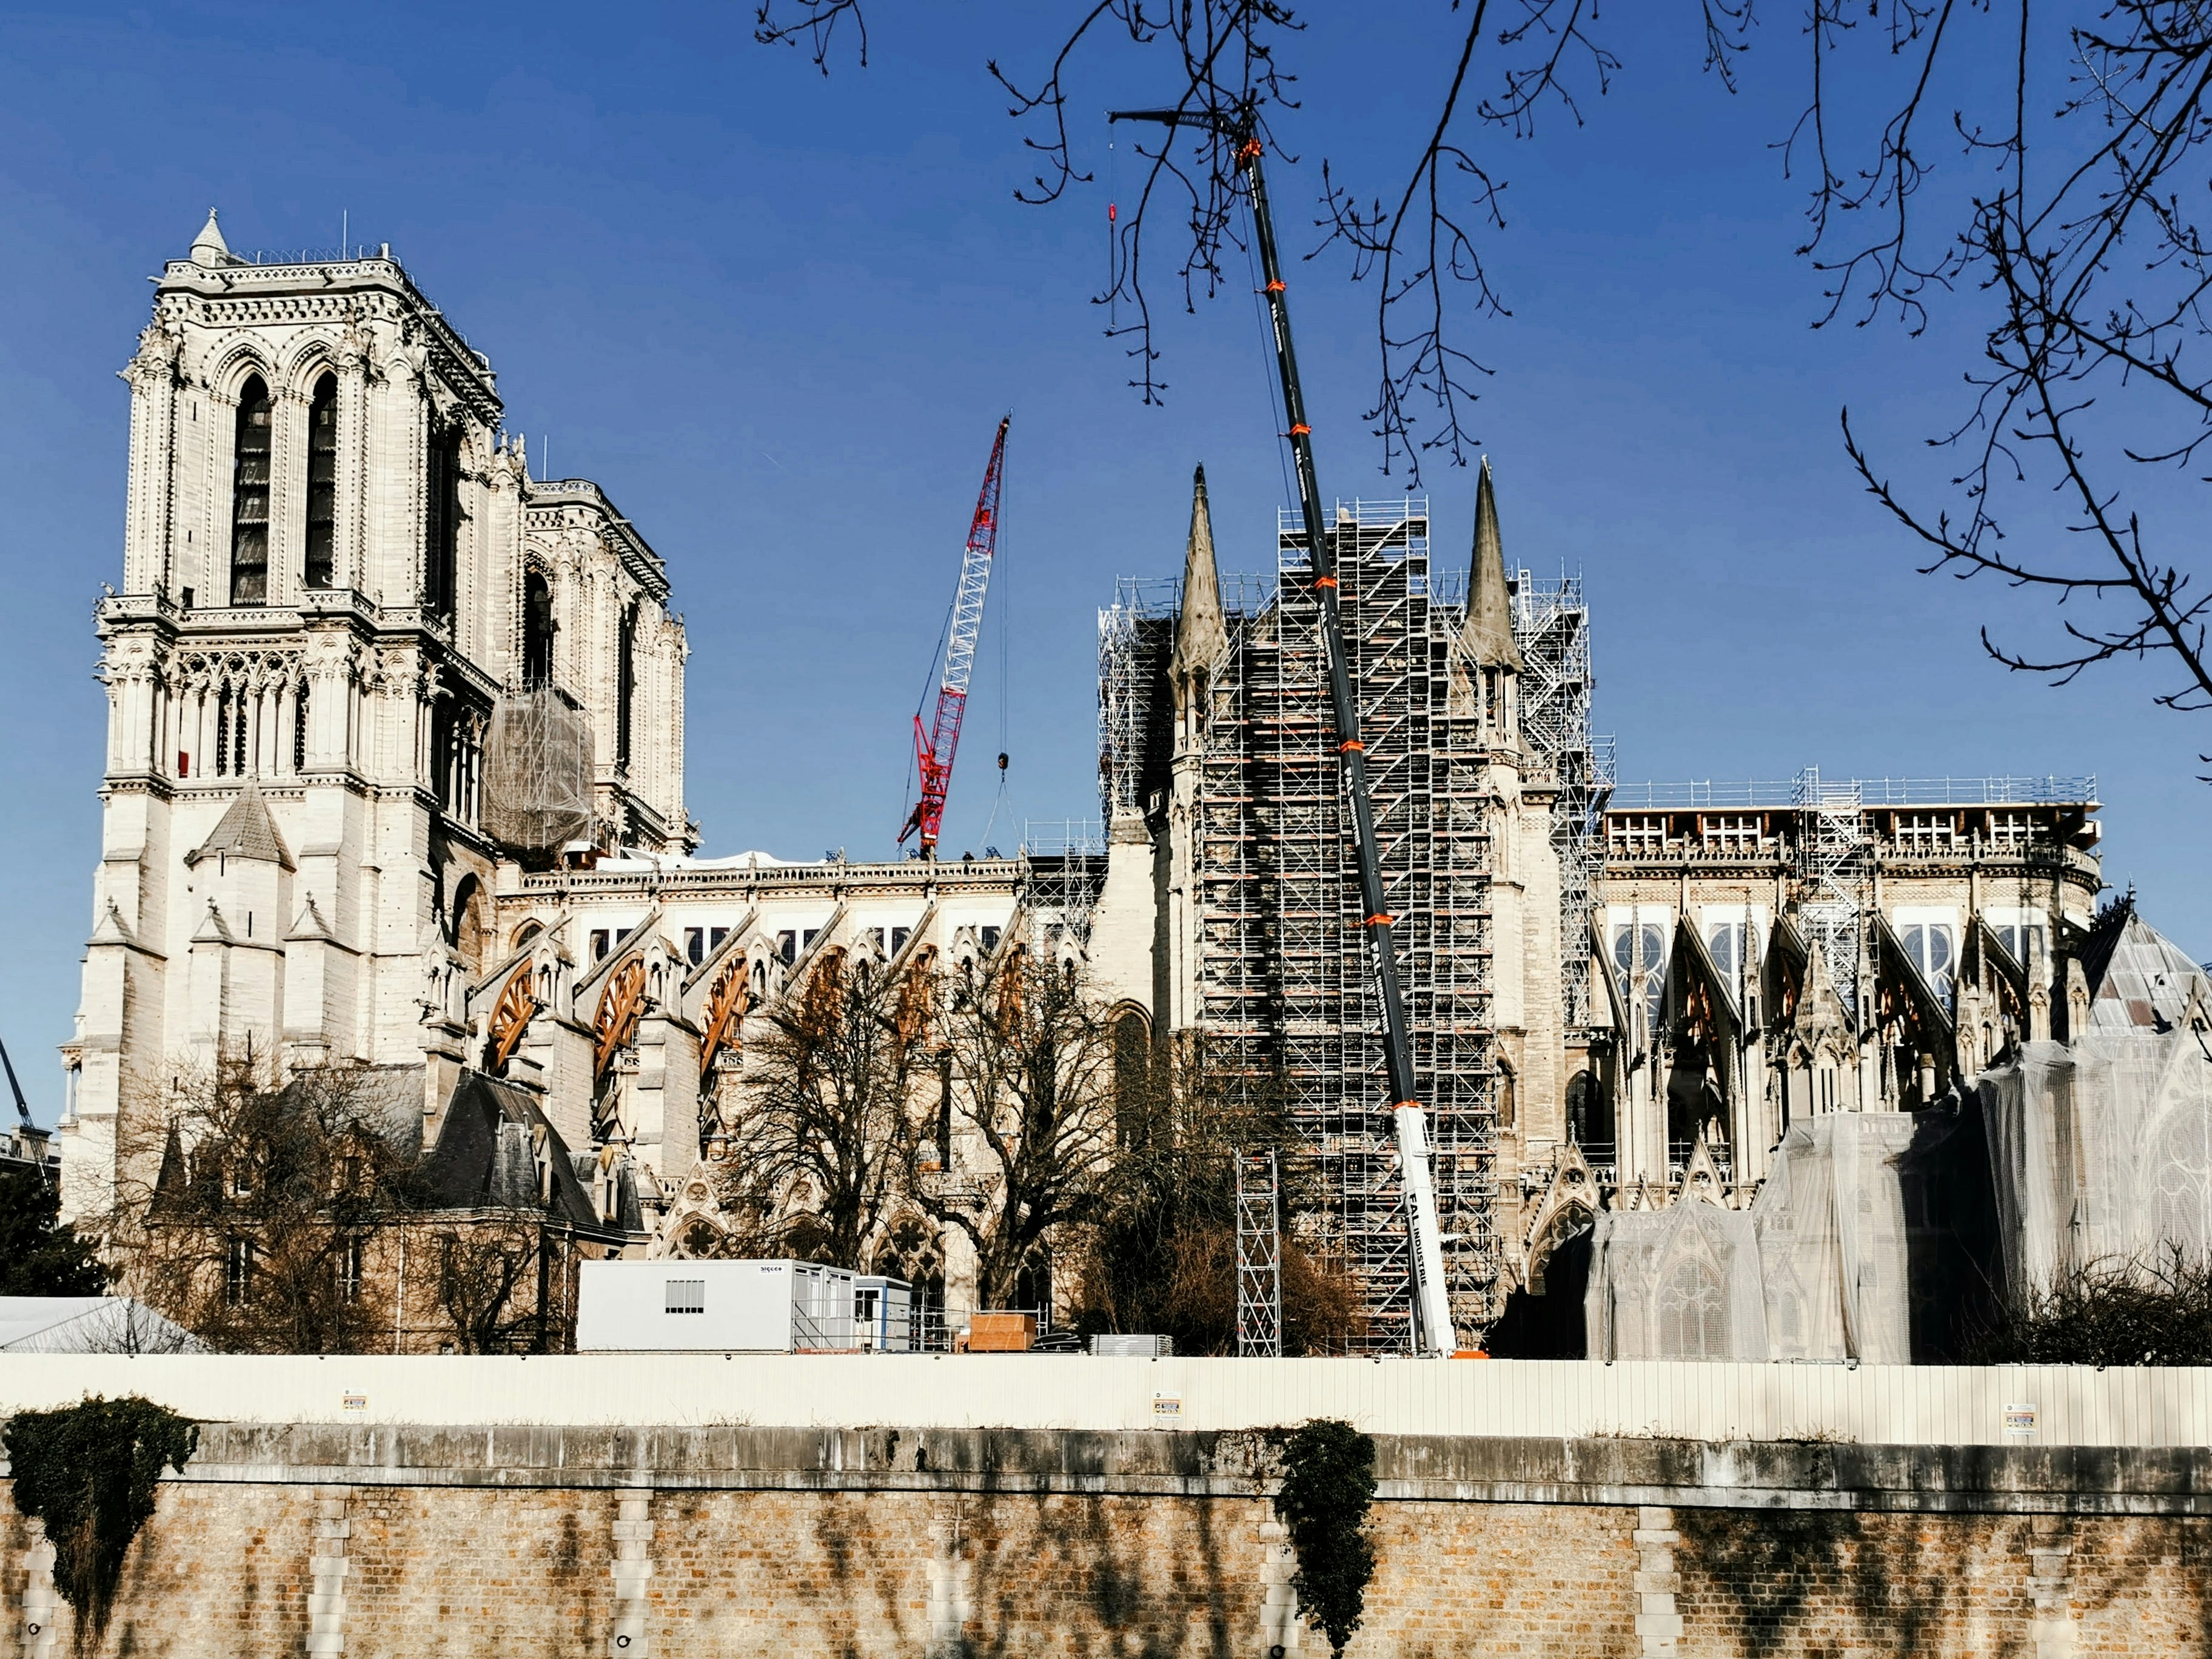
(1888, 1405)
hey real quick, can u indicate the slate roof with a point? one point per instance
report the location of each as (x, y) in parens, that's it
(487, 1157)
(247, 832)
(2138, 976)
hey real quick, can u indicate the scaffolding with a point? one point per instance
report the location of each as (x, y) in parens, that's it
(1259, 1257)
(1284, 999)
(1550, 624)
(1832, 853)
(537, 771)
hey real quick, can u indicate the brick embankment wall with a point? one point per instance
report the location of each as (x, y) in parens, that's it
(847, 1545)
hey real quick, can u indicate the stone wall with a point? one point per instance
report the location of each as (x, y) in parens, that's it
(836, 1545)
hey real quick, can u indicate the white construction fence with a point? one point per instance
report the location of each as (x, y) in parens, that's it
(1714, 1401)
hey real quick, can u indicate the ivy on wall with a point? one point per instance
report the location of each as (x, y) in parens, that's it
(1329, 1483)
(88, 1471)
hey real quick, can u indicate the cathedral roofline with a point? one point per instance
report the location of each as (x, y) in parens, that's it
(645, 565)
(212, 272)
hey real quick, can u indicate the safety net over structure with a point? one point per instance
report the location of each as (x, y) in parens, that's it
(1890, 1236)
(537, 771)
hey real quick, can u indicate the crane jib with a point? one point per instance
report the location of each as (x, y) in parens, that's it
(1432, 1311)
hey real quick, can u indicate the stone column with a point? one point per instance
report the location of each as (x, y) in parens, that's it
(632, 1572)
(326, 1571)
(952, 1583)
(42, 1604)
(1280, 1623)
(2051, 1547)
(1658, 1625)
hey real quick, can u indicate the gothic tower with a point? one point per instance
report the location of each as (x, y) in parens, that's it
(335, 564)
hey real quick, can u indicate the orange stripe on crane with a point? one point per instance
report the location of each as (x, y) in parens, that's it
(1378, 921)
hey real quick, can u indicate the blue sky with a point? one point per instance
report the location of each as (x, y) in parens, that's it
(778, 316)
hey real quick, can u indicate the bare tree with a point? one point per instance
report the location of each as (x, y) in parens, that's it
(2152, 1310)
(1162, 1256)
(2076, 225)
(252, 1232)
(1031, 1101)
(821, 1141)
(2082, 230)
(500, 1280)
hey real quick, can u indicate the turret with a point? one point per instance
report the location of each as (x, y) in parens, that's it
(1201, 636)
(1487, 635)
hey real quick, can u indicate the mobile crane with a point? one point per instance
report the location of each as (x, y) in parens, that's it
(1433, 1306)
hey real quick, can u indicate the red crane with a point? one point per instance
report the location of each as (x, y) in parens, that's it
(934, 745)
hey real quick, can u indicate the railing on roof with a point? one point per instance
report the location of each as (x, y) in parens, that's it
(2051, 790)
(1383, 514)
(1243, 594)
(332, 254)
(1053, 838)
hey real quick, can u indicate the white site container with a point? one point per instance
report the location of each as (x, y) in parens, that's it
(883, 1314)
(738, 1307)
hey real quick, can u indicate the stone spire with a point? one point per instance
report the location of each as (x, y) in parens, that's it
(1202, 636)
(1487, 636)
(207, 248)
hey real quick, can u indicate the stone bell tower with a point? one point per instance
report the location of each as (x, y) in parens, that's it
(327, 563)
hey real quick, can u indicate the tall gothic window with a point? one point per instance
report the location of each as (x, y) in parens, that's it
(442, 544)
(323, 484)
(625, 687)
(537, 631)
(249, 498)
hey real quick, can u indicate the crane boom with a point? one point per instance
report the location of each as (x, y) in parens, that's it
(1433, 1308)
(936, 743)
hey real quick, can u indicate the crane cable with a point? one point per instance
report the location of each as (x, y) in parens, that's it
(1003, 582)
(1266, 351)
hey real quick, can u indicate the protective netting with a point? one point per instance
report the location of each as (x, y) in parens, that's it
(1889, 1238)
(1818, 1268)
(2102, 1147)
(537, 771)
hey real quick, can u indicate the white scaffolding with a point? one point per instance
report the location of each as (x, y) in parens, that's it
(1550, 624)
(1259, 1257)
(1832, 850)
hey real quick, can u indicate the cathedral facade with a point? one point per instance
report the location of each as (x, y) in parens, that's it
(335, 566)
(394, 782)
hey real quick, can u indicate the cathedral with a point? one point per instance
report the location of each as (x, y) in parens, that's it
(394, 782)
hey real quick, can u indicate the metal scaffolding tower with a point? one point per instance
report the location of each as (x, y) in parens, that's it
(1284, 996)
(1259, 1257)
(1832, 851)
(1550, 624)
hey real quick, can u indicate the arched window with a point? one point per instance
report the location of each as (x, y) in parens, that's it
(537, 626)
(1692, 1312)
(1589, 1116)
(442, 525)
(321, 567)
(249, 497)
(471, 927)
(1134, 1108)
(2181, 1184)
(1640, 955)
(625, 686)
